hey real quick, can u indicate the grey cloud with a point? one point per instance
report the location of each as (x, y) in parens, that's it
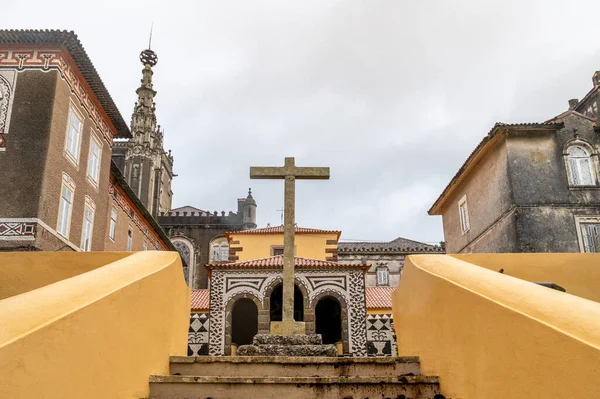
(392, 95)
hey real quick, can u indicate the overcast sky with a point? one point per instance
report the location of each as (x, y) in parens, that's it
(391, 95)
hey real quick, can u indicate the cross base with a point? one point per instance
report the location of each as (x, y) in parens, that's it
(288, 327)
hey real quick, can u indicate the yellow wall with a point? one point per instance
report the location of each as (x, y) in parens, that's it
(25, 271)
(99, 334)
(489, 335)
(256, 246)
(579, 274)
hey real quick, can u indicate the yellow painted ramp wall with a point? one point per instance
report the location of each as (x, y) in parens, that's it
(493, 336)
(100, 334)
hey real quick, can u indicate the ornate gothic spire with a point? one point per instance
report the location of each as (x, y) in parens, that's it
(143, 120)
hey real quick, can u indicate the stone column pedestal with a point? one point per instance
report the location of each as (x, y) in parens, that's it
(287, 345)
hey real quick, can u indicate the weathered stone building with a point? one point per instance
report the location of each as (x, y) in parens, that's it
(200, 238)
(58, 187)
(529, 187)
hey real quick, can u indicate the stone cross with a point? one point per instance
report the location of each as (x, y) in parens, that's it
(290, 172)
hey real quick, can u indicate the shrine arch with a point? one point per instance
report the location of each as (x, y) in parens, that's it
(330, 311)
(241, 324)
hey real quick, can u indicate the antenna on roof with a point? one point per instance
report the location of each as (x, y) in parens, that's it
(150, 38)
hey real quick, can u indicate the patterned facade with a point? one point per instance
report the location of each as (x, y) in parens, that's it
(345, 284)
(198, 334)
(381, 337)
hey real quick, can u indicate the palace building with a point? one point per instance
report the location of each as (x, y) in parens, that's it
(59, 188)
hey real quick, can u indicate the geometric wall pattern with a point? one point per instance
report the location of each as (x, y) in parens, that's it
(227, 284)
(198, 334)
(381, 337)
(17, 229)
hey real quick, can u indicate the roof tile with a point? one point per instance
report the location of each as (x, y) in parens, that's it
(276, 262)
(400, 244)
(200, 299)
(379, 297)
(279, 229)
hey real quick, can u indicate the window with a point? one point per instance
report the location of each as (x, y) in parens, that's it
(112, 229)
(579, 166)
(74, 129)
(93, 170)
(65, 207)
(219, 250)
(224, 252)
(88, 226)
(144, 246)
(277, 250)
(463, 211)
(383, 276)
(590, 232)
(129, 240)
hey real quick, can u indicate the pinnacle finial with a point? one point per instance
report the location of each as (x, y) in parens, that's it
(150, 38)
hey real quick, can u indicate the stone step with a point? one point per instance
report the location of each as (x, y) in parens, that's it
(272, 366)
(182, 387)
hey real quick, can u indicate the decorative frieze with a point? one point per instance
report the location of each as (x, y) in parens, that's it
(53, 59)
(17, 230)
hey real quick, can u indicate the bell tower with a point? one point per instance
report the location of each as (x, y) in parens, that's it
(148, 169)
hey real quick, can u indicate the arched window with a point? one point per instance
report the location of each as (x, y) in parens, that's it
(580, 167)
(186, 251)
(219, 250)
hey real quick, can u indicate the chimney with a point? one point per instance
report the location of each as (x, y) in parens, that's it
(573, 103)
(596, 79)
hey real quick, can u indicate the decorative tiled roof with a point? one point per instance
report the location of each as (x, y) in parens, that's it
(276, 262)
(498, 127)
(70, 41)
(400, 244)
(379, 297)
(200, 299)
(279, 229)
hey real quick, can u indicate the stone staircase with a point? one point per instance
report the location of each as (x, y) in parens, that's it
(282, 377)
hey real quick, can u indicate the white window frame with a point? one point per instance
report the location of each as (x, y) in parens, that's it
(93, 160)
(63, 222)
(144, 246)
(385, 273)
(129, 240)
(74, 158)
(112, 227)
(87, 228)
(581, 222)
(575, 172)
(465, 223)
(219, 250)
